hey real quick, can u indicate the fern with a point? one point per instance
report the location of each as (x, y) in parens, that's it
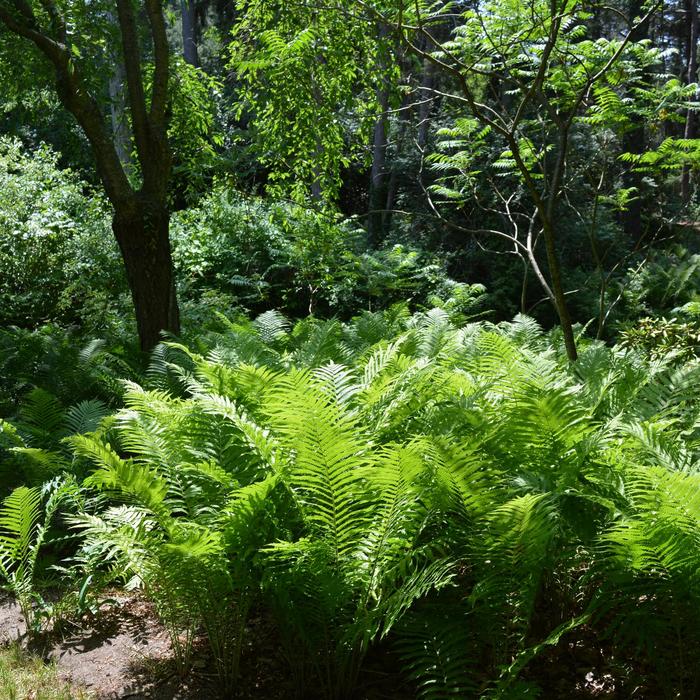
(272, 326)
(460, 492)
(85, 417)
(25, 516)
(437, 651)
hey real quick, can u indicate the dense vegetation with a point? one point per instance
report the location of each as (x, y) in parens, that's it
(376, 321)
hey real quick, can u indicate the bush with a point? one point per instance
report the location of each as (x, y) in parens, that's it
(282, 255)
(661, 337)
(669, 280)
(461, 490)
(58, 258)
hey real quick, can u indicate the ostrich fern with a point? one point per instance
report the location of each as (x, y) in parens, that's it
(25, 517)
(462, 491)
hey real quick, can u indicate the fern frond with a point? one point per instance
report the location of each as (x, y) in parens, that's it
(136, 481)
(272, 326)
(20, 518)
(339, 381)
(436, 647)
(85, 416)
(327, 456)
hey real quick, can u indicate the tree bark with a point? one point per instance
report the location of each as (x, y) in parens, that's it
(392, 185)
(634, 139)
(120, 124)
(378, 176)
(141, 228)
(562, 307)
(189, 33)
(425, 94)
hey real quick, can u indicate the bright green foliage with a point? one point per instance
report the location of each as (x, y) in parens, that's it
(193, 132)
(415, 485)
(265, 255)
(670, 156)
(602, 87)
(25, 516)
(306, 73)
(460, 489)
(54, 242)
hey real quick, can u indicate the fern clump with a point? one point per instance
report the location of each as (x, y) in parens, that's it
(462, 492)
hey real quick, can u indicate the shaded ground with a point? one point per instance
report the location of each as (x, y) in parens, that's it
(126, 653)
(120, 656)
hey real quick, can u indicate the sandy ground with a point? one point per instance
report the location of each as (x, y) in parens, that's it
(126, 653)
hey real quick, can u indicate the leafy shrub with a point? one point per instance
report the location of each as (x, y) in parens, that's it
(58, 259)
(661, 337)
(669, 280)
(282, 255)
(461, 490)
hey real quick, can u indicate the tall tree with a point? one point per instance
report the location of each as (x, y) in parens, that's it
(378, 173)
(634, 136)
(141, 215)
(537, 52)
(690, 131)
(190, 50)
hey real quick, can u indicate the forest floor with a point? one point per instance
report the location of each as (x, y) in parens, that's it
(125, 653)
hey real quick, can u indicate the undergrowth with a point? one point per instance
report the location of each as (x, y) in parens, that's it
(458, 492)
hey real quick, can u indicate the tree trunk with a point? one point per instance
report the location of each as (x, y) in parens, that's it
(317, 184)
(142, 230)
(189, 33)
(558, 290)
(120, 122)
(426, 102)
(690, 130)
(378, 177)
(140, 223)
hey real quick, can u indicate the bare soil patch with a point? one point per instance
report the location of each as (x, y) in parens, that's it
(125, 652)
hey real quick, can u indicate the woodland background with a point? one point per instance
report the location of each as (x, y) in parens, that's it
(378, 321)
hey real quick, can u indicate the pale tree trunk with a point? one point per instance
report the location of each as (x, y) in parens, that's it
(690, 130)
(117, 107)
(392, 186)
(378, 176)
(120, 124)
(634, 140)
(378, 173)
(426, 102)
(317, 183)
